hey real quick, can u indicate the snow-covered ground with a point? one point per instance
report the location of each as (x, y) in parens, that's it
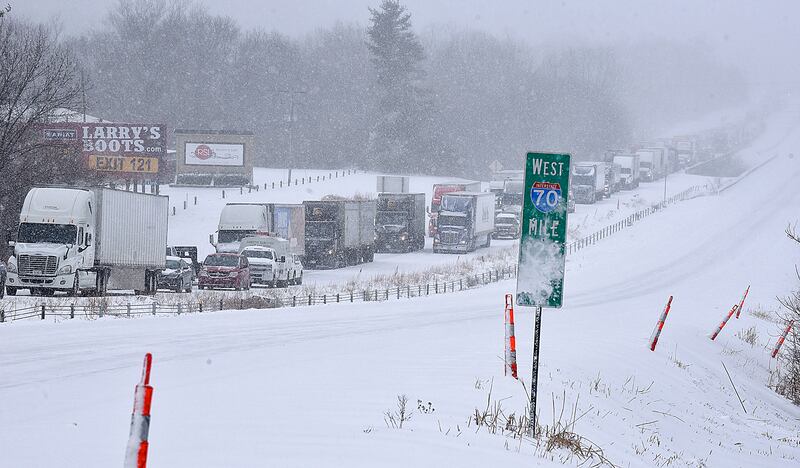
(310, 386)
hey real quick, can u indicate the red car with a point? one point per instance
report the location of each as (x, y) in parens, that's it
(225, 270)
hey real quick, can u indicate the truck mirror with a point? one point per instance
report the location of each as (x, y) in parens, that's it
(88, 239)
(211, 240)
(12, 243)
(283, 258)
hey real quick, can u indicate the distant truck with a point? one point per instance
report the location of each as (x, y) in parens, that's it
(465, 222)
(88, 240)
(240, 220)
(393, 184)
(613, 178)
(273, 262)
(687, 149)
(588, 181)
(513, 195)
(651, 163)
(436, 199)
(339, 233)
(629, 170)
(506, 226)
(400, 222)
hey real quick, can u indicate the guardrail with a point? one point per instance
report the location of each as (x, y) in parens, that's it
(100, 307)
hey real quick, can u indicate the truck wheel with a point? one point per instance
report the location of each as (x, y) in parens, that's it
(11, 291)
(189, 288)
(179, 287)
(488, 240)
(299, 279)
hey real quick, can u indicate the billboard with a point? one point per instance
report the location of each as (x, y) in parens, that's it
(214, 154)
(123, 150)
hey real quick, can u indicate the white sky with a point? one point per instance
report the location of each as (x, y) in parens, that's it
(762, 36)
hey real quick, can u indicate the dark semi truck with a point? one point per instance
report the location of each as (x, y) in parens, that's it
(339, 233)
(400, 222)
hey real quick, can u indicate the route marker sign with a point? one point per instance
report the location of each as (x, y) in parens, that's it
(540, 273)
(540, 281)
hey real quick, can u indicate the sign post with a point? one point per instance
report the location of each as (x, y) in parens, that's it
(540, 278)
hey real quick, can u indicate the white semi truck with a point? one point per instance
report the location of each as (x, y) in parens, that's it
(465, 222)
(651, 163)
(88, 240)
(240, 220)
(629, 170)
(588, 182)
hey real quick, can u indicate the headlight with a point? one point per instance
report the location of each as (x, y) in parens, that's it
(65, 270)
(233, 274)
(403, 236)
(330, 251)
(12, 267)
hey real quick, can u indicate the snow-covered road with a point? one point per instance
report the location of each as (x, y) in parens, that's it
(309, 386)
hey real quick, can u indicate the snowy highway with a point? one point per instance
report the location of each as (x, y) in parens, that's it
(310, 386)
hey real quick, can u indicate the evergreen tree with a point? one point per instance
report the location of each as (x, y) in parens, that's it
(398, 133)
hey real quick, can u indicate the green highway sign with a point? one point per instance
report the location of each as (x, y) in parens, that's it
(540, 278)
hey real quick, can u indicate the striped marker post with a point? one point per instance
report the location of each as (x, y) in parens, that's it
(782, 338)
(741, 303)
(136, 453)
(724, 321)
(510, 341)
(660, 325)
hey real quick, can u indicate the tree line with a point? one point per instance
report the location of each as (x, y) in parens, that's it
(377, 97)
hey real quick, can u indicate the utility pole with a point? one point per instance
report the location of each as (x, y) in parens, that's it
(292, 94)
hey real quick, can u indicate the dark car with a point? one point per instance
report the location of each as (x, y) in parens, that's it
(225, 270)
(3, 274)
(177, 276)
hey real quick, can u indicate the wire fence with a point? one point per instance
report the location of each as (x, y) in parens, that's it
(104, 306)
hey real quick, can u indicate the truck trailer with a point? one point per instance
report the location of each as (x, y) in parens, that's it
(651, 163)
(629, 170)
(400, 222)
(465, 222)
(88, 240)
(339, 233)
(588, 181)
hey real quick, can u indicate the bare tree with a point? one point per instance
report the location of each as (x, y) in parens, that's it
(37, 76)
(788, 378)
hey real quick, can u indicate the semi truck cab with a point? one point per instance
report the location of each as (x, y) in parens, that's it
(53, 244)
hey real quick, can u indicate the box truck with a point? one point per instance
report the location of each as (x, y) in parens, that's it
(465, 222)
(400, 222)
(651, 163)
(339, 233)
(588, 181)
(240, 220)
(88, 240)
(393, 184)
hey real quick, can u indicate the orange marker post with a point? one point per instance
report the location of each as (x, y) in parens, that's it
(510, 341)
(724, 321)
(782, 338)
(741, 303)
(660, 325)
(136, 453)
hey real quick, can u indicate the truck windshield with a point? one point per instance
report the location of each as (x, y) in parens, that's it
(320, 230)
(625, 170)
(234, 236)
(452, 221)
(258, 254)
(33, 233)
(646, 164)
(583, 180)
(513, 199)
(458, 204)
(173, 265)
(390, 218)
(222, 260)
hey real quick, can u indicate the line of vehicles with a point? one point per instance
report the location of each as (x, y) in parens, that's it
(91, 240)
